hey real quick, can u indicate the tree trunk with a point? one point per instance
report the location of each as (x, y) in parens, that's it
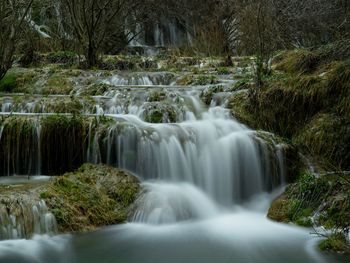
(2, 72)
(91, 57)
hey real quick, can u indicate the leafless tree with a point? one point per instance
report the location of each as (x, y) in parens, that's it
(95, 23)
(12, 16)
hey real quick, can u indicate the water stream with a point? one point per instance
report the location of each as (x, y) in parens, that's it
(207, 184)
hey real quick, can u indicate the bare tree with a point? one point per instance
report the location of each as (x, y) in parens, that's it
(95, 22)
(12, 17)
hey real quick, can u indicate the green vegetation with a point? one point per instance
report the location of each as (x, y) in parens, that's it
(61, 145)
(62, 57)
(97, 89)
(160, 113)
(208, 93)
(306, 101)
(8, 83)
(57, 85)
(198, 80)
(317, 201)
(335, 243)
(157, 96)
(309, 90)
(92, 197)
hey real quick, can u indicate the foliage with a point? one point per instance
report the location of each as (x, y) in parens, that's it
(12, 16)
(91, 197)
(335, 243)
(8, 83)
(317, 201)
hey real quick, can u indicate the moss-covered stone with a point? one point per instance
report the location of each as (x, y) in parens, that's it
(92, 197)
(335, 243)
(160, 112)
(317, 201)
(239, 105)
(96, 89)
(208, 93)
(198, 80)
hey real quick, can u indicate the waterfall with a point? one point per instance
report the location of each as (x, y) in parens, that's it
(207, 179)
(23, 218)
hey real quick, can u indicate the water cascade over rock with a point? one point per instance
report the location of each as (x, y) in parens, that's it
(206, 177)
(22, 218)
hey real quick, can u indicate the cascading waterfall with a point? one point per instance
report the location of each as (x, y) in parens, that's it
(21, 218)
(149, 79)
(206, 177)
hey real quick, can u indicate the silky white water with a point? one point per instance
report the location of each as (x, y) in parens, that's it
(207, 183)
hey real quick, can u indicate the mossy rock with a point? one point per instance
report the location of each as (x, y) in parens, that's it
(325, 198)
(97, 89)
(336, 243)
(157, 96)
(198, 80)
(92, 197)
(159, 112)
(207, 94)
(240, 107)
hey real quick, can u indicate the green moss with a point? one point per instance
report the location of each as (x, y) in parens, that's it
(299, 61)
(9, 82)
(326, 195)
(91, 197)
(208, 93)
(240, 107)
(327, 137)
(154, 116)
(223, 71)
(335, 243)
(198, 80)
(57, 85)
(98, 89)
(157, 96)
(205, 80)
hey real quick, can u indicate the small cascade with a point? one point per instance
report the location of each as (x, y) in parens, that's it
(23, 218)
(206, 177)
(166, 32)
(144, 79)
(158, 104)
(189, 156)
(164, 203)
(158, 36)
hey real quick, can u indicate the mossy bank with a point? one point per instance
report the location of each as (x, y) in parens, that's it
(305, 100)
